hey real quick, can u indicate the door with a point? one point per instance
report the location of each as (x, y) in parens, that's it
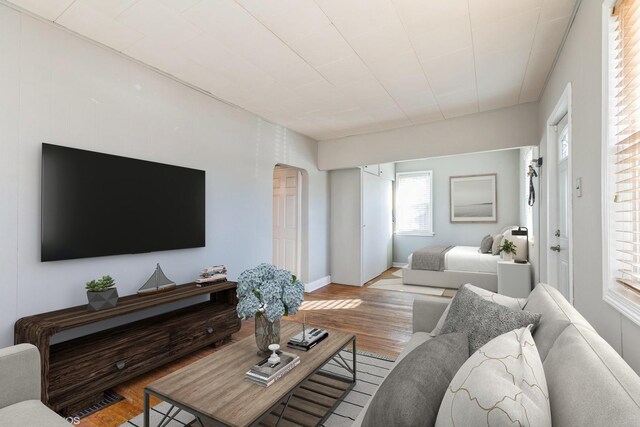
(286, 219)
(377, 228)
(560, 224)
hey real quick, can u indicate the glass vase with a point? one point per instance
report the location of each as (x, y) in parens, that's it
(267, 333)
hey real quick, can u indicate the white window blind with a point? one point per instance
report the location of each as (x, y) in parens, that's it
(414, 203)
(624, 142)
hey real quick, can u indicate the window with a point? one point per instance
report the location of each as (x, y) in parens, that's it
(621, 206)
(564, 144)
(414, 203)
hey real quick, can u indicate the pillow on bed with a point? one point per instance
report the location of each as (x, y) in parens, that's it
(487, 244)
(512, 303)
(497, 242)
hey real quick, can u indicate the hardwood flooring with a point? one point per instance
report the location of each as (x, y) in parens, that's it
(381, 321)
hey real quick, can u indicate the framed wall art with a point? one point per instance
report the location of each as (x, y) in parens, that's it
(473, 198)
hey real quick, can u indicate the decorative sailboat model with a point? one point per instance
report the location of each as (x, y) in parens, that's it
(158, 282)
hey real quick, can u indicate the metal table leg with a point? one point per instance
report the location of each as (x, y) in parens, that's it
(146, 409)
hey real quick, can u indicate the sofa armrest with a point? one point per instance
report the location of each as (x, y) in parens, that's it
(427, 312)
(19, 374)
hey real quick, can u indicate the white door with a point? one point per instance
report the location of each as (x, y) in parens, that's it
(377, 228)
(560, 226)
(286, 219)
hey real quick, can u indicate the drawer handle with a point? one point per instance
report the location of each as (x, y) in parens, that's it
(120, 365)
(209, 330)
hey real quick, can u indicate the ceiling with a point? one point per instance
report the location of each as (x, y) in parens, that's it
(331, 68)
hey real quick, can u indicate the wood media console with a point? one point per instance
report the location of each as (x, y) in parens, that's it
(76, 373)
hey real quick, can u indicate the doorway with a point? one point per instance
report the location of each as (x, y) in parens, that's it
(559, 198)
(287, 224)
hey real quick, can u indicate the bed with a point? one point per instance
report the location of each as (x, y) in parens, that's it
(453, 266)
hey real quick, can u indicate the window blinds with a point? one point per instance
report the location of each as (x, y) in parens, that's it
(414, 210)
(625, 135)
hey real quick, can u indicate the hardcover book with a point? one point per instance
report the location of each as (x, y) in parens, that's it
(265, 373)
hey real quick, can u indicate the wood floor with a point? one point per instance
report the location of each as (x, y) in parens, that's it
(381, 321)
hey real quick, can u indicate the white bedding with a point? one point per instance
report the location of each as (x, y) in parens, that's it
(468, 258)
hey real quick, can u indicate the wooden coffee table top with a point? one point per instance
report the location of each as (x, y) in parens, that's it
(215, 385)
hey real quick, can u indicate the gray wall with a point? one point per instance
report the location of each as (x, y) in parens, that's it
(58, 88)
(580, 64)
(505, 163)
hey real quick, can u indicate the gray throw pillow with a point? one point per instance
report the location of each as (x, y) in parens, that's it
(483, 320)
(486, 244)
(412, 392)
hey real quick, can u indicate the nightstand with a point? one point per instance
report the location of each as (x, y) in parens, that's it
(514, 279)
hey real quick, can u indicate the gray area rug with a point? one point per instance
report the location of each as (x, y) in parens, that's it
(371, 370)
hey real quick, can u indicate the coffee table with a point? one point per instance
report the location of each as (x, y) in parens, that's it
(215, 391)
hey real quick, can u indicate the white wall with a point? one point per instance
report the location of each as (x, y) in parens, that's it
(505, 163)
(580, 64)
(492, 130)
(58, 88)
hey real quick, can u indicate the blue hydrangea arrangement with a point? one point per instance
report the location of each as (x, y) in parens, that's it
(266, 290)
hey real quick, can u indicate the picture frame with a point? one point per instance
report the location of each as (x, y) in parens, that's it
(473, 198)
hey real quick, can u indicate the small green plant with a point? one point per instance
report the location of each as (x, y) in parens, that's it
(100, 285)
(508, 247)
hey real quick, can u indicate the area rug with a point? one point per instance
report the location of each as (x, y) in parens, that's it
(397, 273)
(371, 371)
(396, 285)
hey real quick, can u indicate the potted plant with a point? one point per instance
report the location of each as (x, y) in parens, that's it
(101, 293)
(267, 293)
(507, 249)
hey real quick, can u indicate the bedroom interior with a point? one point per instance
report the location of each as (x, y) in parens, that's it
(319, 213)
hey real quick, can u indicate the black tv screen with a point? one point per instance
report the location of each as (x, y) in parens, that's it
(96, 204)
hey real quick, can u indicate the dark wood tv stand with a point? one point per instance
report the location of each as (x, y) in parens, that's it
(78, 371)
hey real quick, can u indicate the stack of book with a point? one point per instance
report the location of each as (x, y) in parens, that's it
(264, 373)
(210, 275)
(307, 339)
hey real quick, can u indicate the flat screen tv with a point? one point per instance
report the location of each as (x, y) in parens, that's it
(96, 204)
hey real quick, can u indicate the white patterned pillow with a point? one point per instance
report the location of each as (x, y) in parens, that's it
(512, 303)
(502, 384)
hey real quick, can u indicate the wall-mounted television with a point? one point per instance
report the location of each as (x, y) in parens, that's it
(96, 204)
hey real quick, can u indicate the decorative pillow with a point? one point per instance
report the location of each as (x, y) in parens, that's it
(483, 320)
(497, 242)
(512, 303)
(502, 384)
(411, 394)
(487, 244)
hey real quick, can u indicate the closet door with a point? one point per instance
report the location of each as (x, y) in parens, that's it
(376, 225)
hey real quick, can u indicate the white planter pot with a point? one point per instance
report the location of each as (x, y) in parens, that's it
(507, 257)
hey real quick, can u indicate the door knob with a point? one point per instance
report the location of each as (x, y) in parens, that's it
(555, 248)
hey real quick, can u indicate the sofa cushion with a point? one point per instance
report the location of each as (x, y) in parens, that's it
(556, 314)
(30, 413)
(417, 339)
(411, 393)
(502, 384)
(512, 303)
(19, 374)
(483, 320)
(589, 383)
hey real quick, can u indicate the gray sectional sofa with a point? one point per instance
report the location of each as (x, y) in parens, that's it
(589, 383)
(20, 403)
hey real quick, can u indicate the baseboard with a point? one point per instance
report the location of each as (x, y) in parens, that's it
(400, 264)
(317, 284)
